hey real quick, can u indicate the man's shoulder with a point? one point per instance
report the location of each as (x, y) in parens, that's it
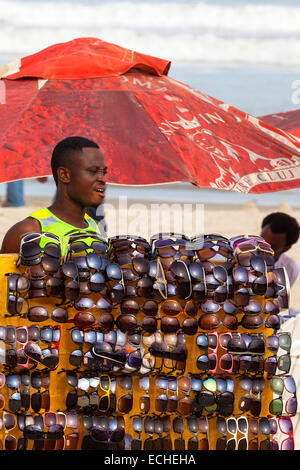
(12, 238)
(29, 224)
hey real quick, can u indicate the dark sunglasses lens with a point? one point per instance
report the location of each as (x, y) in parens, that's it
(291, 406)
(190, 326)
(202, 341)
(97, 282)
(125, 403)
(252, 321)
(141, 265)
(50, 265)
(130, 306)
(94, 261)
(126, 322)
(150, 308)
(114, 272)
(286, 425)
(290, 384)
(60, 315)
(273, 321)
(171, 307)
(209, 321)
(70, 269)
(76, 358)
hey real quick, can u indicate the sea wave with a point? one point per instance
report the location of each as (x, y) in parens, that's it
(194, 32)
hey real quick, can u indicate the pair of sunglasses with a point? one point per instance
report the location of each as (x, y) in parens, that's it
(40, 248)
(85, 242)
(213, 246)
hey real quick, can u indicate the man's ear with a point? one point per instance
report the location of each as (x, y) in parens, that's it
(64, 174)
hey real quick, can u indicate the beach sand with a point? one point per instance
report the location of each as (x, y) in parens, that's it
(224, 220)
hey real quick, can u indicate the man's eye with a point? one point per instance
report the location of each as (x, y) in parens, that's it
(101, 171)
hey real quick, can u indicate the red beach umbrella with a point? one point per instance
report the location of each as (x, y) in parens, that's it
(151, 128)
(288, 121)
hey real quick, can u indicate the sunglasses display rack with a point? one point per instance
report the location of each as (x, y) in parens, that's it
(171, 344)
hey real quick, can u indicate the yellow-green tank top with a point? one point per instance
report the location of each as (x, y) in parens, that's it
(52, 224)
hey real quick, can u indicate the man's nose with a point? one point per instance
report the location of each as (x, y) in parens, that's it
(101, 177)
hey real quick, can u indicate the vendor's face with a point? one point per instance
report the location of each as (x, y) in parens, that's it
(276, 240)
(87, 178)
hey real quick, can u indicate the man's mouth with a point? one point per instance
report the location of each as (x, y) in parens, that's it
(100, 191)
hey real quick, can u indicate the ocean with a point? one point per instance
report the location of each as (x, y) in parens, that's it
(243, 52)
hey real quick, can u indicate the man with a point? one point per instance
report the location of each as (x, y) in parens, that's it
(281, 231)
(79, 172)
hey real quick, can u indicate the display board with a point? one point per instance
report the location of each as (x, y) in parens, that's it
(168, 345)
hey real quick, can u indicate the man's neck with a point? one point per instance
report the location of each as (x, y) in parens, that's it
(69, 211)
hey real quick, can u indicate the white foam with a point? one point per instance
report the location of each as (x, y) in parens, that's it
(178, 31)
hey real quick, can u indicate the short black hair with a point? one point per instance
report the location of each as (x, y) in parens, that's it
(283, 223)
(64, 149)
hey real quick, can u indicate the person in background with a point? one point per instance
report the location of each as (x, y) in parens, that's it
(15, 192)
(281, 231)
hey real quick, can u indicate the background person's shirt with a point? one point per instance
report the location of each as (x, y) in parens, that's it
(292, 270)
(290, 265)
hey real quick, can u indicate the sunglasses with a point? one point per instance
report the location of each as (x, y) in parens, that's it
(90, 263)
(34, 245)
(279, 287)
(244, 278)
(79, 242)
(254, 385)
(52, 287)
(267, 427)
(277, 406)
(163, 240)
(17, 293)
(99, 439)
(84, 319)
(131, 306)
(129, 322)
(112, 436)
(245, 343)
(256, 321)
(117, 358)
(210, 363)
(211, 321)
(280, 340)
(257, 248)
(213, 247)
(39, 314)
(252, 243)
(182, 277)
(286, 427)
(278, 365)
(121, 242)
(235, 426)
(212, 402)
(156, 425)
(173, 404)
(195, 426)
(48, 357)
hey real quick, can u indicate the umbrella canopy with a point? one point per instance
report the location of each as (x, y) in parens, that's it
(288, 121)
(151, 128)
